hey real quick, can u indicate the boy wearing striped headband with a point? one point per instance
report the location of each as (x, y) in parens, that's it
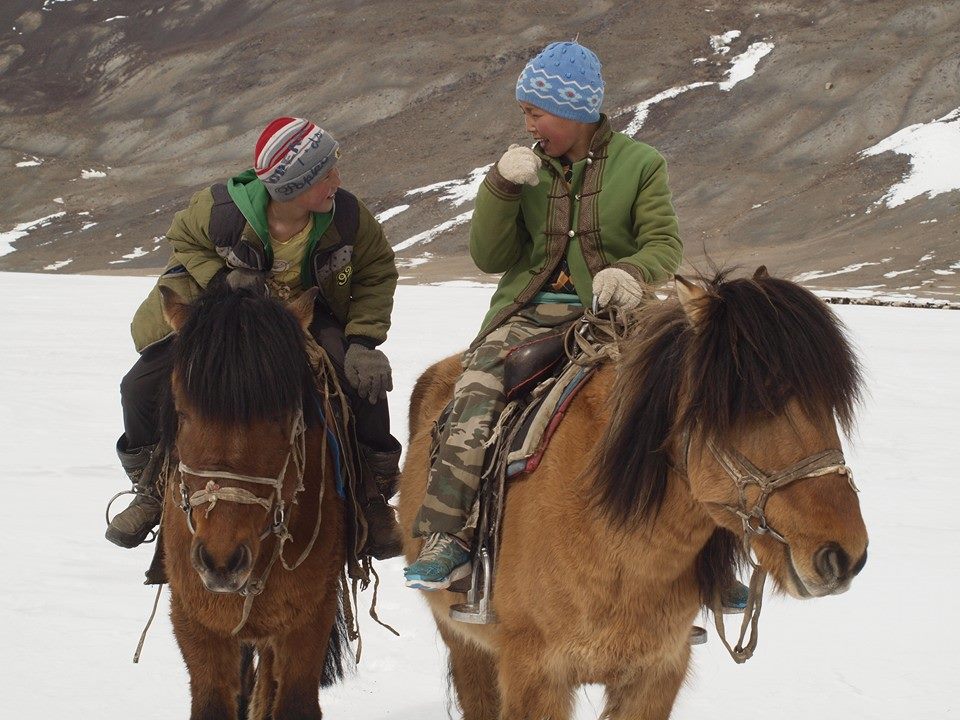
(585, 213)
(283, 226)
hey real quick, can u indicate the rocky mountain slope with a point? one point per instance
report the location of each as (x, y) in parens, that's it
(115, 111)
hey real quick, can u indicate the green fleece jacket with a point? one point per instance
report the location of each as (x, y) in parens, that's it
(357, 281)
(616, 211)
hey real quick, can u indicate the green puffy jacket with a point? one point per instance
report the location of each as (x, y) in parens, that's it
(357, 277)
(615, 211)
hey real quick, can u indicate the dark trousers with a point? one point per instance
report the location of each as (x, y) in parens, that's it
(140, 391)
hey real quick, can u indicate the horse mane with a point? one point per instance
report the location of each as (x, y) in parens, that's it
(240, 358)
(759, 343)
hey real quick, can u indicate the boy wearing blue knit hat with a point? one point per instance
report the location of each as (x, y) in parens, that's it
(586, 212)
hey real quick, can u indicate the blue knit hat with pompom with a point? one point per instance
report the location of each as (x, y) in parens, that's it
(564, 80)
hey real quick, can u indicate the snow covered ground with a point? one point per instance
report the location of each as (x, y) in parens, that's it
(72, 606)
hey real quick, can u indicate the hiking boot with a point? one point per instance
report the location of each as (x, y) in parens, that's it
(733, 599)
(383, 531)
(131, 526)
(444, 559)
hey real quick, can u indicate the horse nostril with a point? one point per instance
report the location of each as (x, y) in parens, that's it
(859, 566)
(832, 562)
(238, 560)
(202, 558)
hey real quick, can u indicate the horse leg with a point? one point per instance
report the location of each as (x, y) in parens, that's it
(298, 661)
(474, 672)
(265, 689)
(650, 695)
(213, 662)
(528, 690)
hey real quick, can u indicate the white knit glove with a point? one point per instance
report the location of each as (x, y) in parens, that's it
(519, 165)
(613, 286)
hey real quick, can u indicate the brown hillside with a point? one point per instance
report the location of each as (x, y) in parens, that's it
(172, 95)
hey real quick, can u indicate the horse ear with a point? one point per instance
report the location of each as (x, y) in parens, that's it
(761, 272)
(302, 307)
(693, 299)
(176, 310)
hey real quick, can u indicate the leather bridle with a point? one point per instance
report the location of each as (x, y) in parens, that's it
(754, 522)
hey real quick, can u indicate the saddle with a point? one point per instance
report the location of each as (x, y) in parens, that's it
(539, 382)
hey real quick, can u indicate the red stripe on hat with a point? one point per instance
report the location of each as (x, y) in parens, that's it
(285, 148)
(270, 132)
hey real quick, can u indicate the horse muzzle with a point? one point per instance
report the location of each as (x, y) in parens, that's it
(830, 572)
(226, 576)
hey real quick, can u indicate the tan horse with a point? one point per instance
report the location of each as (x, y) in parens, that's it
(251, 462)
(629, 524)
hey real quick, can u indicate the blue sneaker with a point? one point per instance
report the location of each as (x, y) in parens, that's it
(444, 559)
(734, 598)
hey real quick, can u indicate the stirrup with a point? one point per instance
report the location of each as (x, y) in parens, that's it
(698, 635)
(476, 610)
(151, 535)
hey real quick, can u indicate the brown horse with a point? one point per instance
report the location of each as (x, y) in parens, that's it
(251, 486)
(635, 516)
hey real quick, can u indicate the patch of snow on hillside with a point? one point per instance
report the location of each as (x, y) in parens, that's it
(32, 162)
(391, 212)
(934, 151)
(741, 67)
(721, 43)
(49, 4)
(456, 192)
(22, 230)
(407, 263)
(89, 174)
(642, 110)
(137, 252)
(745, 64)
(428, 235)
(58, 264)
(817, 274)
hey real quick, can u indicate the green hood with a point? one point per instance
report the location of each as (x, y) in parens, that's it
(252, 198)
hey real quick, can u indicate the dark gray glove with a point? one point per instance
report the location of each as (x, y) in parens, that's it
(244, 279)
(368, 370)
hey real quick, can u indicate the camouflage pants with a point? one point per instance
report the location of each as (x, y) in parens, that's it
(479, 398)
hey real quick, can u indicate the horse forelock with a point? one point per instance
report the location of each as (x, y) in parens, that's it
(763, 342)
(759, 343)
(241, 358)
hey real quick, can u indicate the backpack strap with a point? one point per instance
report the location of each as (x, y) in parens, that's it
(226, 230)
(346, 219)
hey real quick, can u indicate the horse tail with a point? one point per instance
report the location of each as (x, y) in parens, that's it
(339, 653)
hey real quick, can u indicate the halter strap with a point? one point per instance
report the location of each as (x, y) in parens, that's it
(753, 519)
(213, 492)
(744, 473)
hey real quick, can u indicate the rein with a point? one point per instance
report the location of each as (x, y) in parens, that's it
(744, 473)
